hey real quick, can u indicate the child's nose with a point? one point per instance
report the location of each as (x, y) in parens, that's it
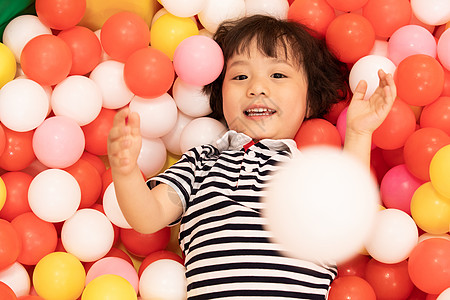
(257, 87)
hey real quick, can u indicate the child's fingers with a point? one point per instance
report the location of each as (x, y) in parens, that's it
(121, 117)
(360, 90)
(134, 122)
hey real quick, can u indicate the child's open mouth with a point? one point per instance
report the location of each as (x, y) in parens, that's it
(259, 112)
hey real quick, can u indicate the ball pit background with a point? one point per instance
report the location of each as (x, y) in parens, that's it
(62, 78)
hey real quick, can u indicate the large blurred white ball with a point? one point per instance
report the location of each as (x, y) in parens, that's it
(152, 157)
(393, 237)
(108, 76)
(157, 115)
(23, 105)
(54, 195)
(163, 279)
(275, 8)
(215, 12)
(183, 8)
(77, 97)
(172, 139)
(366, 68)
(88, 235)
(201, 131)
(21, 30)
(190, 99)
(321, 205)
(112, 208)
(17, 278)
(431, 12)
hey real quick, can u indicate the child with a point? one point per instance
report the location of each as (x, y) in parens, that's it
(275, 75)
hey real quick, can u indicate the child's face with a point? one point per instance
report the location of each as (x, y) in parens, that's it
(264, 97)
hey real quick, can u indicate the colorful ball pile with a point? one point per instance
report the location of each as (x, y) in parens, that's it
(66, 71)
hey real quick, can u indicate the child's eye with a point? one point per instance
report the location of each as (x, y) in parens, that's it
(240, 77)
(278, 75)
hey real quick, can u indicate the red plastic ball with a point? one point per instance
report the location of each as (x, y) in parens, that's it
(60, 14)
(314, 132)
(11, 244)
(17, 184)
(141, 244)
(124, 33)
(347, 5)
(354, 267)
(96, 132)
(18, 153)
(46, 59)
(351, 287)
(387, 16)
(350, 36)
(6, 293)
(437, 114)
(315, 14)
(85, 47)
(2, 140)
(94, 160)
(149, 73)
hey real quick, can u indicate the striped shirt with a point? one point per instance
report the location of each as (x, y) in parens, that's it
(229, 253)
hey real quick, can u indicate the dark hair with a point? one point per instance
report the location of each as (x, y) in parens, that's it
(326, 75)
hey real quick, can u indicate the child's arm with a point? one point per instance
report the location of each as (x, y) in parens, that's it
(364, 116)
(145, 210)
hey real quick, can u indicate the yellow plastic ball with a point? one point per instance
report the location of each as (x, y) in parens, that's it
(169, 30)
(59, 276)
(109, 287)
(440, 171)
(430, 210)
(8, 65)
(2, 193)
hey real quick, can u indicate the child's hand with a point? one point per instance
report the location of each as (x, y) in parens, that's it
(124, 142)
(364, 116)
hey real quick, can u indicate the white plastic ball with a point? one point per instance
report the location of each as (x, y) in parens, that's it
(201, 131)
(77, 97)
(157, 115)
(190, 99)
(163, 279)
(275, 8)
(445, 295)
(431, 12)
(88, 235)
(183, 8)
(380, 48)
(21, 30)
(17, 278)
(108, 76)
(152, 157)
(321, 205)
(112, 208)
(54, 195)
(172, 139)
(215, 12)
(23, 105)
(393, 237)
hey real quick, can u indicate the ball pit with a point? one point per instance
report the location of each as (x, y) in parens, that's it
(54, 170)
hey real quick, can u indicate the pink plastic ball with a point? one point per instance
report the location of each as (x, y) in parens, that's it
(443, 49)
(198, 60)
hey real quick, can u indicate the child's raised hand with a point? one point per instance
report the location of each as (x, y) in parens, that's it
(364, 116)
(124, 141)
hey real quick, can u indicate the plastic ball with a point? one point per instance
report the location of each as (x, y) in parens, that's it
(397, 188)
(18, 153)
(141, 244)
(23, 104)
(54, 195)
(114, 265)
(8, 69)
(347, 5)
(46, 59)
(11, 244)
(443, 49)
(409, 40)
(198, 60)
(157, 115)
(201, 131)
(419, 149)
(157, 255)
(296, 199)
(190, 99)
(6, 293)
(96, 132)
(112, 209)
(59, 276)
(437, 114)
(430, 210)
(88, 235)
(60, 14)
(379, 48)
(316, 132)
(17, 278)
(86, 49)
(168, 31)
(152, 157)
(20, 31)
(16, 202)
(182, 8)
(58, 142)
(428, 265)
(2, 193)
(354, 267)
(124, 33)
(148, 73)
(444, 295)
(163, 279)
(366, 68)
(109, 287)
(172, 139)
(386, 16)
(215, 12)
(351, 287)
(419, 79)
(277, 9)
(38, 237)
(350, 37)
(316, 14)
(393, 237)
(439, 171)
(398, 126)
(434, 12)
